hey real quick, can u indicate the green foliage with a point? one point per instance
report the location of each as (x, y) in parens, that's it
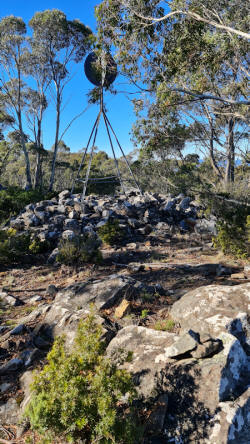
(77, 394)
(233, 226)
(13, 200)
(38, 247)
(233, 238)
(13, 246)
(81, 249)
(110, 233)
(144, 314)
(165, 325)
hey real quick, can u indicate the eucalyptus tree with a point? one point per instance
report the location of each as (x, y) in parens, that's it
(38, 68)
(179, 59)
(62, 42)
(12, 52)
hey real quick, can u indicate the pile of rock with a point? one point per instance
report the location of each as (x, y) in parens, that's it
(138, 215)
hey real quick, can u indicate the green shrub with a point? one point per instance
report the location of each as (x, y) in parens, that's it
(82, 249)
(77, 395)
(37, 246)
(233, 230)
(144, 314)
(110, 233)
(13, 200)
(13, 246)
(165, 325)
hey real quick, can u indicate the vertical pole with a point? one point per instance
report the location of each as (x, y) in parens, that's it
(125, 158)
(83, 157)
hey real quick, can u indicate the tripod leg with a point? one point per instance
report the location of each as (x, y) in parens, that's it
(90, 160)
(125, 158)
(116, 162)
(84, 156)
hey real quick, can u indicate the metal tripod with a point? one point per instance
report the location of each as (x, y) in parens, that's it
(92, 138)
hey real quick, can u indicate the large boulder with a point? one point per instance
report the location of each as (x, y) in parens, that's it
(215, 309)
(232, 422)
(74, 303)
(145, 347)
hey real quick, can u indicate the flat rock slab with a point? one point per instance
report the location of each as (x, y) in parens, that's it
(74, 303)
(147, 347)
(214, 309)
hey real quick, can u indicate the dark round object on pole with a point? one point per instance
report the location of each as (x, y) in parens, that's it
(94, 66)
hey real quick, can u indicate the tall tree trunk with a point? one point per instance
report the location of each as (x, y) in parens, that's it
(211, 153)
(53, 167)
(28, 185)
(38, 170)
(229, 173)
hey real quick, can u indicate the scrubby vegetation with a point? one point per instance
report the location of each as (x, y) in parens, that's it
(14, 199)
(79, 395)
(83, 248)
(14, 245)
(233, 225)
(110, 233)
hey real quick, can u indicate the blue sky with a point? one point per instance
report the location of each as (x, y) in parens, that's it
(119, 107)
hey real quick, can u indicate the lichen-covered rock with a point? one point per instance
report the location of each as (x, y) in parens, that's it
(147, 348)
(232, 422)
(214, 309)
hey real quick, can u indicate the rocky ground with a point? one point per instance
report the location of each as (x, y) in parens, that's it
(164, 294)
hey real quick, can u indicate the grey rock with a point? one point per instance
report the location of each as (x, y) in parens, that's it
(10, 299)
(52, 257)
(101, 223)
(64, 195)
(231, 425)
(18, 330)
(73, 215)
(184, 205)
(170, 205)
(58, 220)
(73, 225)
(68, 235)
(17, 224)
(204, 226)
(155, 422)
(30, 356)
(5, 387)
(52, 290)
(35, 298)
(185, 343)
(11, 366)
(31, 220)
(9, 412)
(207, 349)
(214, 309)
(148, 355)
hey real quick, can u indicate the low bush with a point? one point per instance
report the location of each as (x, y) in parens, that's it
(165, 325)
(13, 200)
(110, 233)
(233, 227)
(13, 246)
(80, 250)
(233, 239)
(37, 246)
(77, 396)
